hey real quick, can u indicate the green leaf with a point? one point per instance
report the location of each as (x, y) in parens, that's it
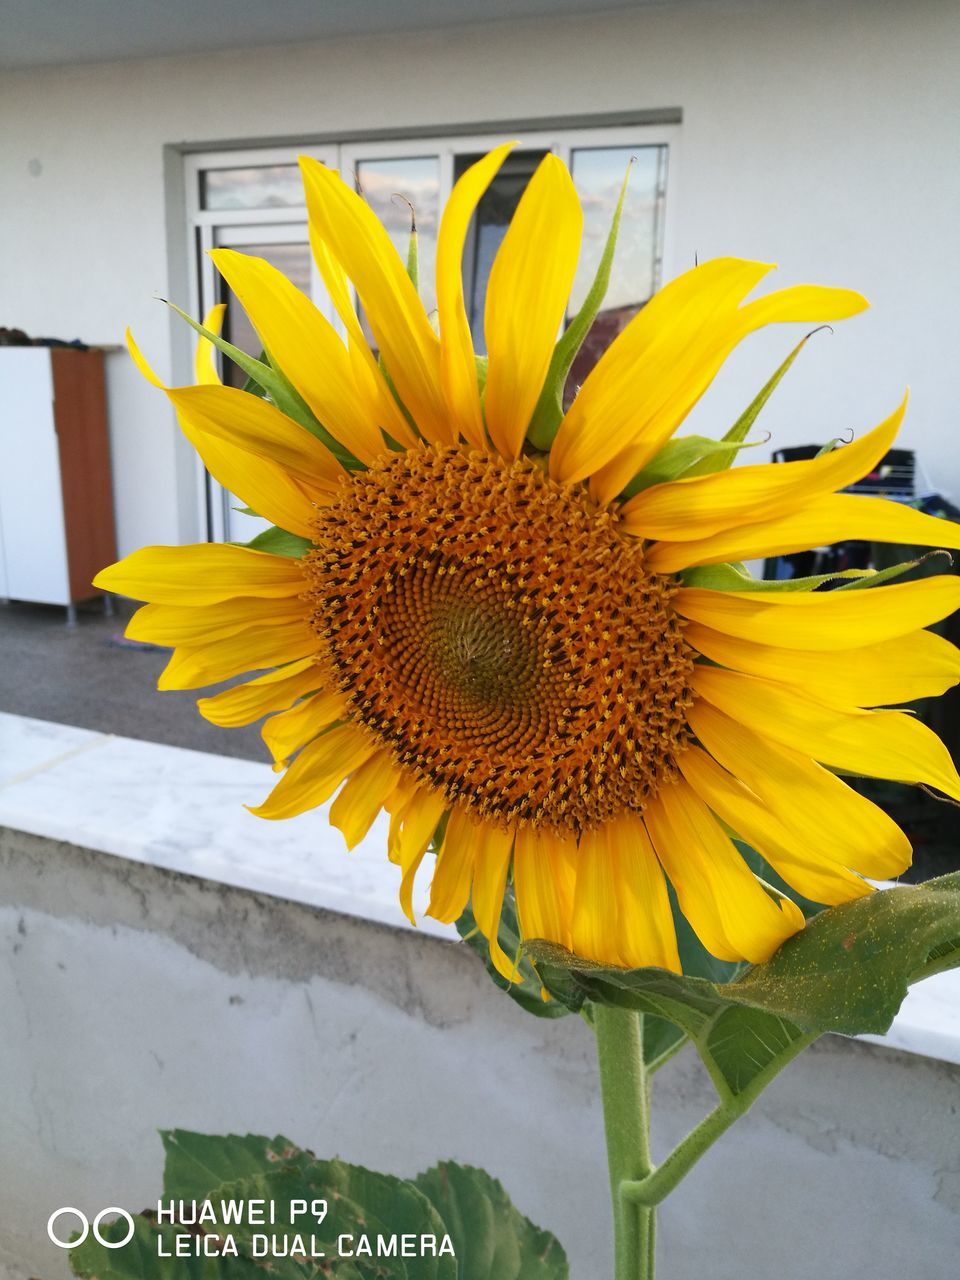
(678, 457)
(850, 968)
(198, 1163)
(464, 1204)
(548, 413)
(528, 993)
(492, 1239)
(151, 1255)
(275, 385)
(279, 543)
(721, 460)
(847, 971)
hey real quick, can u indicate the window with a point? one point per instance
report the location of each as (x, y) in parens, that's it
(253, 201)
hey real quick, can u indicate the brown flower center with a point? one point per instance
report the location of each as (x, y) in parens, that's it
(501, 637)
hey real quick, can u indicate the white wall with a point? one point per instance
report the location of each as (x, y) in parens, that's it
(819, 136)
(134, 999)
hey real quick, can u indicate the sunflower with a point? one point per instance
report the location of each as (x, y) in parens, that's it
(544, 661)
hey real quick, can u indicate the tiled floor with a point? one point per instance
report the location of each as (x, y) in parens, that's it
(91, 677)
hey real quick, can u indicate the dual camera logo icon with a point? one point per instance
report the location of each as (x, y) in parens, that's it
(85, 1227)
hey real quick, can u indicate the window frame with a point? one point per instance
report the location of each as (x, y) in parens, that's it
(206, 228)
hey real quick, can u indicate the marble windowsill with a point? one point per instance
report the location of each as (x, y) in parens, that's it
(183, 810)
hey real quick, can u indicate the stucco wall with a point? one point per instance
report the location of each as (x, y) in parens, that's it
(821, 136)
(134, 999)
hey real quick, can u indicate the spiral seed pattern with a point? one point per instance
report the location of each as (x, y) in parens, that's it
(501, 637)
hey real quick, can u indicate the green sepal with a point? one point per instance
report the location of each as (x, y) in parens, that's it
(876, 577)
(722, 460)
(548, 413)
(251, 386)
(413, 254)
(678, 457)
(275, 386)
(734, 577)
(847, 971)
(279, 543)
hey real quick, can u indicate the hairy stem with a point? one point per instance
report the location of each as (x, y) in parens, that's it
(656, 1184)
(626, 1119)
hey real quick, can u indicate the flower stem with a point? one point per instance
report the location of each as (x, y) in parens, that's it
(626, 1119)
(656, 1184)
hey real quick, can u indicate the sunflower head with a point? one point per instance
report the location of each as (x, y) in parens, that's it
(525, 632)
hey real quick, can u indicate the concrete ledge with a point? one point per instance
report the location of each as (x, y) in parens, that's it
(184, 811)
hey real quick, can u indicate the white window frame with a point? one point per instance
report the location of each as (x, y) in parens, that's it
(207, 228)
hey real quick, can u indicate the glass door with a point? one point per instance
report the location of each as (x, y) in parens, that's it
(252, 202)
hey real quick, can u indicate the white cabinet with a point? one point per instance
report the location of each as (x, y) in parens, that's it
(56, 504)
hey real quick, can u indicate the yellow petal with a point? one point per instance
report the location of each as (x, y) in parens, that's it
(250, 650)
(544, 876)
(881, 744)
(696, 508)
(843, 826)
(205, 358)
(458, 360)
(450, 887)
(489, 882)
(647, 932)
(730, 912)
(290, 730)
(693, 369)
(308, 350)
(918, 665)
(792, 852)
(363, 362)
(171, 624)
(316, 773)
(595, 930)
(420, 820)
(410, 348)
(201, 574)
(820, 521)
(252, 424)
(657, 369)
(262, 485)
(362, 797)
(276, 691)
(823, 619)
(140, 360)
(527, 295)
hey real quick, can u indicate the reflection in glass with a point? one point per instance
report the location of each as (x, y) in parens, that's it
(487, 229)
(294, 261)
(386, 186)
(598, 176)
(275, 186)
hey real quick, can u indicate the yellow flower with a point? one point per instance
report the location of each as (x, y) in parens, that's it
(496, 636)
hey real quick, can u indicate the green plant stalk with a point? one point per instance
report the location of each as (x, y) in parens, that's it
(653, 1187)
(626, 1119)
